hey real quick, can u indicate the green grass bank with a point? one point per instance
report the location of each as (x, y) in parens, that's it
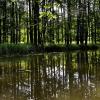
(24, 49)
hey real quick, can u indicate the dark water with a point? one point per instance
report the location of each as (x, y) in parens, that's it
(53, 76)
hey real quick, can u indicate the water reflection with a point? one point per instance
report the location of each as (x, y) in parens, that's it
(55, 76)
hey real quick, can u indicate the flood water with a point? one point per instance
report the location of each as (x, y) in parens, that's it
(52, 76)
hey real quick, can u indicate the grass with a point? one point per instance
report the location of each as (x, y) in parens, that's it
(14, 49)
(57, 48)
(24, 49)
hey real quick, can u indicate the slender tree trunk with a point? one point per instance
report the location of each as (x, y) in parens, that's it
(57, 32)
(62, 25)
(16, 41)
(95, 29)
(69, 22)
(44, 23)
(85, 23)
(27, 31)
(94, 6)
(13, 23)
(78, 22)
(89, 21)
(4, 21)
(27, 23)
(65, 24)
(78, 30)
(0, 29)
(36, 22)
(30, 21)
(19, 27)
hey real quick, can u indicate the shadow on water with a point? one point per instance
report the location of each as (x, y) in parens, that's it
(55, 76)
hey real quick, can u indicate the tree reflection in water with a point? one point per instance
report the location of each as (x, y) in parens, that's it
(54, 76)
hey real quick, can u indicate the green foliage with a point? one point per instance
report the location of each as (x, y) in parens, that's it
(13, 0)
(48, 14)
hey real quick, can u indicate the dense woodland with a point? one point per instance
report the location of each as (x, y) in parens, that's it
(50, 22)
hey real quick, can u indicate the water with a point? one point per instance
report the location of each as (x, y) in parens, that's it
(53, 76)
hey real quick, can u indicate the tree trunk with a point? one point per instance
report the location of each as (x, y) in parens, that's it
(0, 29)
(30, 20)
(36, 22)
(13, 23)
(4, 22)
(69, 22)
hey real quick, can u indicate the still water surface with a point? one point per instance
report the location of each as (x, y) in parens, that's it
(53, 76)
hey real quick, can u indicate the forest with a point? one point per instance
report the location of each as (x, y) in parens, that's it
(50, 23)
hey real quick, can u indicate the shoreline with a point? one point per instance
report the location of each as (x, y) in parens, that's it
(28, 49)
